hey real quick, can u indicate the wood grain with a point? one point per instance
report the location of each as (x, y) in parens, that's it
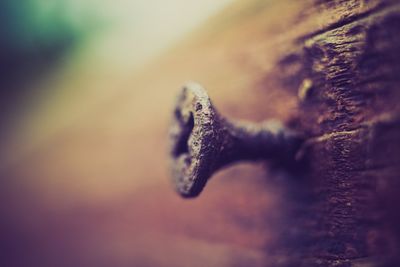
(348, 102)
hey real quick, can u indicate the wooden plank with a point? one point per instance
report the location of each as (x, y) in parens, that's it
(349, 102)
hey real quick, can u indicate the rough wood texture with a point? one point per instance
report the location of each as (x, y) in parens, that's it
(349, 105)
(336, 65)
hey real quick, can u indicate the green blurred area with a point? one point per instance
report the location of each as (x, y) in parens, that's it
(31, 26)
(36, 38)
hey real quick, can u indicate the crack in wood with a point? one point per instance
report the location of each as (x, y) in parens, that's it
(348, 20)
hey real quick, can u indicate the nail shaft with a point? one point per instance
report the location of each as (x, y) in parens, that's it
(203, 141)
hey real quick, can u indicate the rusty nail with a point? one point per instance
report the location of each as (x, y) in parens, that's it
(202, 141)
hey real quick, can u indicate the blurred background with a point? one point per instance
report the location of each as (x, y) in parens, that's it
(87, 89)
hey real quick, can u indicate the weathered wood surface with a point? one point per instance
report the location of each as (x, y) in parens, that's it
(349, 106)
(336, 66)
(338, 63)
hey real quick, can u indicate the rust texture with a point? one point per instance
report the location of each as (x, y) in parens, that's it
(203, 141)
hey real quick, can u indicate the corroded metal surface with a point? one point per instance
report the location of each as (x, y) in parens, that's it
(202, 141)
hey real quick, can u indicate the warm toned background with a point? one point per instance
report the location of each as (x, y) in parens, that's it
(84, 157)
